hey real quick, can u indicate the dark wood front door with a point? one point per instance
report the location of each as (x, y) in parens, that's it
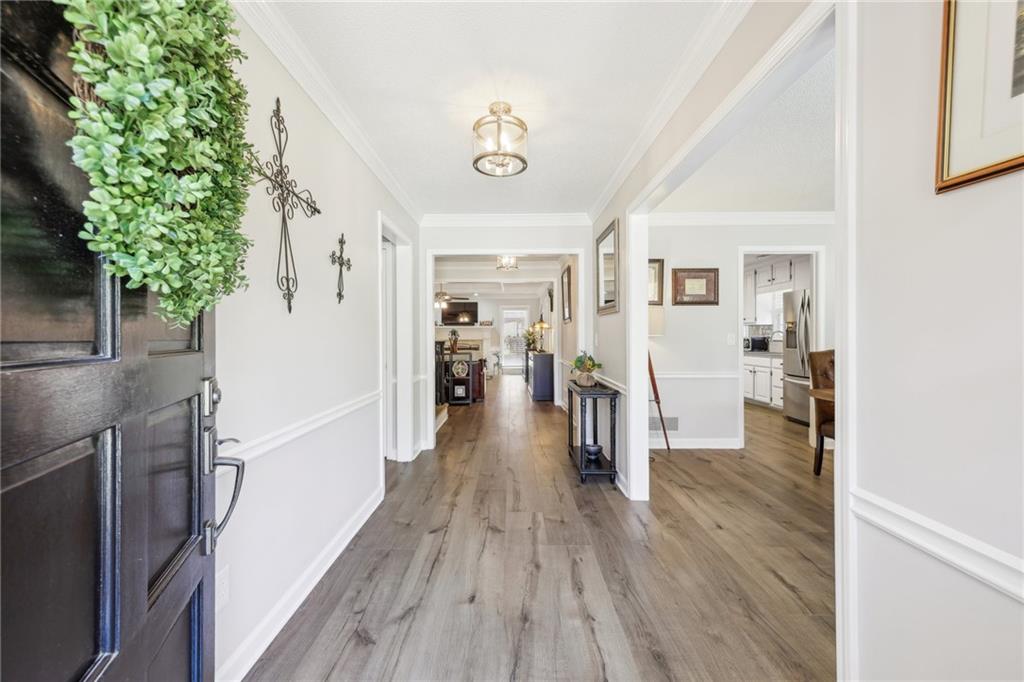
(106, 483)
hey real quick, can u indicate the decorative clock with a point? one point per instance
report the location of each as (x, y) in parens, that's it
(460, 368)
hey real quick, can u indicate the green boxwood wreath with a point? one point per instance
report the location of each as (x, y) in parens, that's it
(162, 139)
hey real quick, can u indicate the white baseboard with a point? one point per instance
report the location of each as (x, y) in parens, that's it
(679, 443)
(252, 647)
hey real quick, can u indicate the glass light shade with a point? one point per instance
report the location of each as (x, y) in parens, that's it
(499, 142)
(507, 263)
(541, 324)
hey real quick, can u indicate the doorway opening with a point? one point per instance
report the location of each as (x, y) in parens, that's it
(735, 190)
(389, 377)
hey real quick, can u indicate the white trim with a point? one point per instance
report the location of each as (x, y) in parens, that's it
(275, 32)
(501, 220)
(714, 31)
(847, 32)
(683, 443)
(252, 647)
(420, 377)
(793, 40)
(611, 383)
(675, 376)
(999, 570)
(737, 218)
(255, 449)
(438, 424)
(404, 334)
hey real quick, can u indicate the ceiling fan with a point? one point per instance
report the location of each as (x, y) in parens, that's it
(442, 296)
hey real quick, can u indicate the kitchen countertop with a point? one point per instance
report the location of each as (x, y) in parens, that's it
(761, 354)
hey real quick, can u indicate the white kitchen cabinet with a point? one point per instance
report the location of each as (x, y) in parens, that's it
(782, 272)
(749, 297)
(762, 379)
(763, 384)
(763, 275)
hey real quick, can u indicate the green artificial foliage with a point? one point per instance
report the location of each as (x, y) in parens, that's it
(163, 143)
(585, 362)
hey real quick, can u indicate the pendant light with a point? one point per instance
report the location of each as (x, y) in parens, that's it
(499, 142)
(507, 263)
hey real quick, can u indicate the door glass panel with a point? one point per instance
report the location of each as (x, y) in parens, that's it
(171, 449)
(52, 284)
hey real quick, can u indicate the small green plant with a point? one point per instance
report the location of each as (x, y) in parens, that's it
(585, 363)
(162, 139)
(531, 338)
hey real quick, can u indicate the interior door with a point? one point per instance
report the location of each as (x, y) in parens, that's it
(105, 495)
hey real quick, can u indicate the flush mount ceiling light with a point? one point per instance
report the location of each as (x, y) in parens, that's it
(499, 142)
(508, 263)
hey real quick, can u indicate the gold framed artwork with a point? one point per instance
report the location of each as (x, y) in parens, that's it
(567, 293)
(607, 256)
(694, 286)
(656, 281)
(981, 92)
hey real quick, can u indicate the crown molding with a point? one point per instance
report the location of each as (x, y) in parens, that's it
(435, 220)
(738, 218)
(268, 24)
(712, 35)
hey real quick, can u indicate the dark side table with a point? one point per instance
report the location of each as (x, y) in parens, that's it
(589, 456)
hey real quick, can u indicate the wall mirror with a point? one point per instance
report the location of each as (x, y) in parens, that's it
(608, 270)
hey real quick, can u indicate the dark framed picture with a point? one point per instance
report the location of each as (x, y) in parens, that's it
(567, 293)
(981, 92)
(694, 286)
(656, 281)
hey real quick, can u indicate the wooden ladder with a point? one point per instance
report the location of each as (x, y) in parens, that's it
(657, 399)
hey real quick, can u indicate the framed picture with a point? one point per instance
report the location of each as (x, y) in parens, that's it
(981, 92)
(656, 281)
(567, 293)
(694, 286)
(607, 248)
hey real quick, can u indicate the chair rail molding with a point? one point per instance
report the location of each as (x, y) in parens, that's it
(990, 565)
(267, 443)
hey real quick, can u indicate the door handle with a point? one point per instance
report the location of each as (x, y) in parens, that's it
(212, 531)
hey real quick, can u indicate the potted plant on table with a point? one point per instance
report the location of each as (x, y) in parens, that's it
(583, 368)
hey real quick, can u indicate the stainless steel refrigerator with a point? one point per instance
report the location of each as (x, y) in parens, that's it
(798, 317)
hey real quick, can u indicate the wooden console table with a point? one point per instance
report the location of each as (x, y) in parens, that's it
(589, 456)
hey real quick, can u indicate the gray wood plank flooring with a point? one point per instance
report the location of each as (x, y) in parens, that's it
(488, 560)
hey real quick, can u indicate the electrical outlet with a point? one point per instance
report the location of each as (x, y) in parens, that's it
(222, 588)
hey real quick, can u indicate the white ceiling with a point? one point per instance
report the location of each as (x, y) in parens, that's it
(782, 160)
(497, 290)
(588, 79)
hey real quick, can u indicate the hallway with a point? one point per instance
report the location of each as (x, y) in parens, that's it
(487, 559)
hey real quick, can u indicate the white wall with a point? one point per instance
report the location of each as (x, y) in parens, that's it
(938, 380)
(301, 391)
(697, 369)
(756, 34)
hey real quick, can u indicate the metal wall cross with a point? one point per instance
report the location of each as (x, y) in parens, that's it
(338, 258)
(285, 199)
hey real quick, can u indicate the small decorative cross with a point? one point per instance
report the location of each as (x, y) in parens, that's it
(285, 200)
(338, 258)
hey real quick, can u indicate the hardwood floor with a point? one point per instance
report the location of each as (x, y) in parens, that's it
(488, 560)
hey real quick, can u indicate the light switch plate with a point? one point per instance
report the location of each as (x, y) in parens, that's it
(730, 339)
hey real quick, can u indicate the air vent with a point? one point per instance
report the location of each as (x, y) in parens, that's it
(671, 423)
